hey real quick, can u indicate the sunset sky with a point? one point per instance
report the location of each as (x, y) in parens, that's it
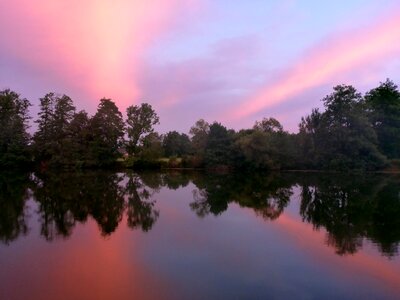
(228, 60)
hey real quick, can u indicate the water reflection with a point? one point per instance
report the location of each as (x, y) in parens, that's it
(140, 208)
(267, 195)
(348, 209)
(13, 211)
(351, 209)
(69, 198)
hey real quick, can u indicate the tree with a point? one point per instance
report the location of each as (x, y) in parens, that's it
(269, 125)
(266, 146)
(152, 148)
(199, 133)
(56, 112)
(14, 138)
(383, 104)
(107, 127)
(78, 140)
(176, 144)
(219, 146)
(310, 140)
(43, 138)
(256, 149)
(64, 111)
(346, 139)
(140, 122)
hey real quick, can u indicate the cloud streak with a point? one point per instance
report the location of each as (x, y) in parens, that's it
(329, 60)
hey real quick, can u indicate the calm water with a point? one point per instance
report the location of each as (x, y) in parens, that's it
(99, 235)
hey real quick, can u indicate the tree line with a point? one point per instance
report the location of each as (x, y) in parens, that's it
(353, 131)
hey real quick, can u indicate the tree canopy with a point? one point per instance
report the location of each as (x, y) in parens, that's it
(140, 122)
(350, 131)
(14, 138)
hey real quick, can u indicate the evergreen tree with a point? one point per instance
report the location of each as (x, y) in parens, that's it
(78, 140)
(107, 127)
(56, 112)
(14, 138)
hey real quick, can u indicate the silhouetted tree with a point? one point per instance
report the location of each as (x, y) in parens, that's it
(78, 140)
(14, 138)
(383, 104)
(107, 129)
(140, 122)
(151, 148)
(342, 137)
(268, 125)
(310, 140)
(56, 112)
(176, 144)
(219, 146)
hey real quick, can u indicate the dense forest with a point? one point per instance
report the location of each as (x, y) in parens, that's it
(353, 132)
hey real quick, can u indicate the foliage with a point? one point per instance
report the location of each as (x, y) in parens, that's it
(198, 137)
(219, 146)
(341, 138)
(176, 144)
(14, 138)
(140, 122)
(350, 132)
(383, 104)
(270, 125)
(266, 146)
(107, 129)
(56, 113)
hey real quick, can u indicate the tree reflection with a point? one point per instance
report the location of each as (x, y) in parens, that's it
(67, 198)
(140, 211)
(351, 209)
(267, 195)
(13, 215)
(105, 197)
(176, 179)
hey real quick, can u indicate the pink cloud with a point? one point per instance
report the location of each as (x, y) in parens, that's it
(200, 86)
(334, 57)
(93, 46)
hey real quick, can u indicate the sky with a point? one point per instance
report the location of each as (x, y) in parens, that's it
(232, 61)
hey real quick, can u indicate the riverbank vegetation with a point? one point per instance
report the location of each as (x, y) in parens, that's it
(352, 132)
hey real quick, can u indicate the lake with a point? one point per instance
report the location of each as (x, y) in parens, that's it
(198, 235)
